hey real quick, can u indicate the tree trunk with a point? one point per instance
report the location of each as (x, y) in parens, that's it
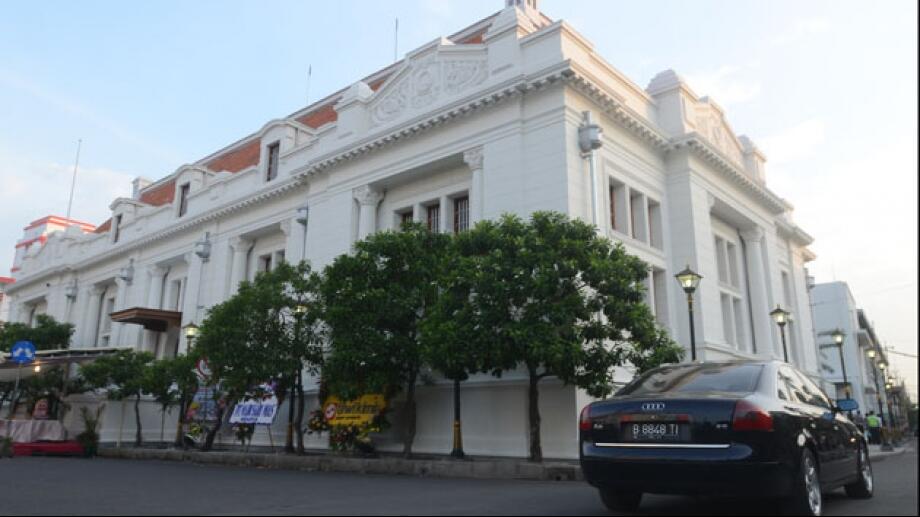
(298, 423)
(289, 436)
(533, 407)
(212, 433)
(409, 437)
(183, 407)
(138, 440)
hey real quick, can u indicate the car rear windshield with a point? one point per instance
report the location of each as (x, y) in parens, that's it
(696, 378)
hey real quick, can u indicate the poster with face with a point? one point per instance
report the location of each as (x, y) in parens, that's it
(41, 410)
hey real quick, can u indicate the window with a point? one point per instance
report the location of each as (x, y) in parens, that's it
(728, 320)
(461, 214)
(279, 257)
(272, 170)
(696, 378)
(794, 386)
(619, 207)
(734, 318)
(183, 199)
(434, 218)
(655, 237)
(406, 217)
(721, 259)
(265, 263)
(116, 228)
(814, 395)
(637, 216)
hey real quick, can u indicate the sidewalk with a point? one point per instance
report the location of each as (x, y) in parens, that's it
(877, 454)
(476, 468)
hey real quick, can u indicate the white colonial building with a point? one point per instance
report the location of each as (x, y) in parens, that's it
(860, 355)
(470, 126)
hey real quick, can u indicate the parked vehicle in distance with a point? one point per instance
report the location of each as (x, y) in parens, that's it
(746, 428)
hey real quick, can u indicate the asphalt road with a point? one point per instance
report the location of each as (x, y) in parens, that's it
(103, 487)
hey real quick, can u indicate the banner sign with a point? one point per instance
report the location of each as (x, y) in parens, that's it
(258, 410)
(203, 407)
(360, 411)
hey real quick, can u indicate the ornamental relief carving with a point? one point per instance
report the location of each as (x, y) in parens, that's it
(425, 83)
(714, 130)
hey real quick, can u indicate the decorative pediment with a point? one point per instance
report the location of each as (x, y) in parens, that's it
(710, 123)
(426, 81)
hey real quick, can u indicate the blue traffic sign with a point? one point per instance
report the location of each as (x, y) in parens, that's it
(23, 352)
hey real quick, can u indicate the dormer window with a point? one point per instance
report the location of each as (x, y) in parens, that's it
(272, 169)
(116, 228)
(183, 198)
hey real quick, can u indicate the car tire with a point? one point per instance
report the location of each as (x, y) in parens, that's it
(863, 487)
(619, 501)
(806, 497)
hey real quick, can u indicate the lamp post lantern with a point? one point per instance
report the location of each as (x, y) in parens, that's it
(781, 317)
(689, 280)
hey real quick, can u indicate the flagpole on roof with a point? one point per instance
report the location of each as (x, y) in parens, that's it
(73, 182)
(309, 77)
(396, 41)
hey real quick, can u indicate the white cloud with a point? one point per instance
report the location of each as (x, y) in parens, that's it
(802, 28)
(33, 189)
(794, 143)
(726, 85)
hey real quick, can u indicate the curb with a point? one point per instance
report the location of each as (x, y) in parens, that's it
(439, 468)
(882, 455)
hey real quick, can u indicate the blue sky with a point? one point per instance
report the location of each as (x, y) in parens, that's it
(828, 89)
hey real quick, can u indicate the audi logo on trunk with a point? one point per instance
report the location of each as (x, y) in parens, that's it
(653, 406)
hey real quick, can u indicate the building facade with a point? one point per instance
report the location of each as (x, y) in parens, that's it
(862, 353)
(468, 127)
(5, 281)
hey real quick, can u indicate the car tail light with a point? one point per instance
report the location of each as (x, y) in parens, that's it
(584, 421)
(750, 417)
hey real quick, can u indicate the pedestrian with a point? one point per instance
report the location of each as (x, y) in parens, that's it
(875, 428)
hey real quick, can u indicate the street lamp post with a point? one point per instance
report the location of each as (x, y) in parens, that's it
(689, 281)
(781, 316)
(838, 336)
(299, 312)
(191, 332)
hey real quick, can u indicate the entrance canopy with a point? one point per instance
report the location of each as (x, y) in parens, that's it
(152, 319)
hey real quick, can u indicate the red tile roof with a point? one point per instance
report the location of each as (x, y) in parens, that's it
(104, 227)
(160, 194)
(237, 159)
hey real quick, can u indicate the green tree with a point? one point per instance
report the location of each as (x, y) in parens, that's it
(121, 376)
(374, 301)
(47, 334)
(552, 297)
(265, 332)
(172, 382)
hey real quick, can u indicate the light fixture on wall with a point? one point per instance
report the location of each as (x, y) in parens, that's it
(203, 247)
(71, 291)
(127, 273)
(303, 215)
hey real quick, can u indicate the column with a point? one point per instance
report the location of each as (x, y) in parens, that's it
(474, 158)
(368, 198)
(120, 295)
(240, 248)
(190, 303)
(295, 233)
(154, 301)
(91, 322)
(447, 214)
(757, 282)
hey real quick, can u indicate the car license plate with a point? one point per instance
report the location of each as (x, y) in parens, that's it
(654, 431)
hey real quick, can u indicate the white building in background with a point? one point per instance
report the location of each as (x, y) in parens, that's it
(470, 126)
(5, 281)
(836, 309)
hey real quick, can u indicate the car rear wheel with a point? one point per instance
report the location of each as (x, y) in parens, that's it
(618, 501)
(862, 488)
(806, 497)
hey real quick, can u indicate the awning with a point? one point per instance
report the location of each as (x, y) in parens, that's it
(151, 319)
(49, 358)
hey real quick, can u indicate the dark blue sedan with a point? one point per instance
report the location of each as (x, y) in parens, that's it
(728, 428)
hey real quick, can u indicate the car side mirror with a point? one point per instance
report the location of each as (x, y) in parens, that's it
(845, 405)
